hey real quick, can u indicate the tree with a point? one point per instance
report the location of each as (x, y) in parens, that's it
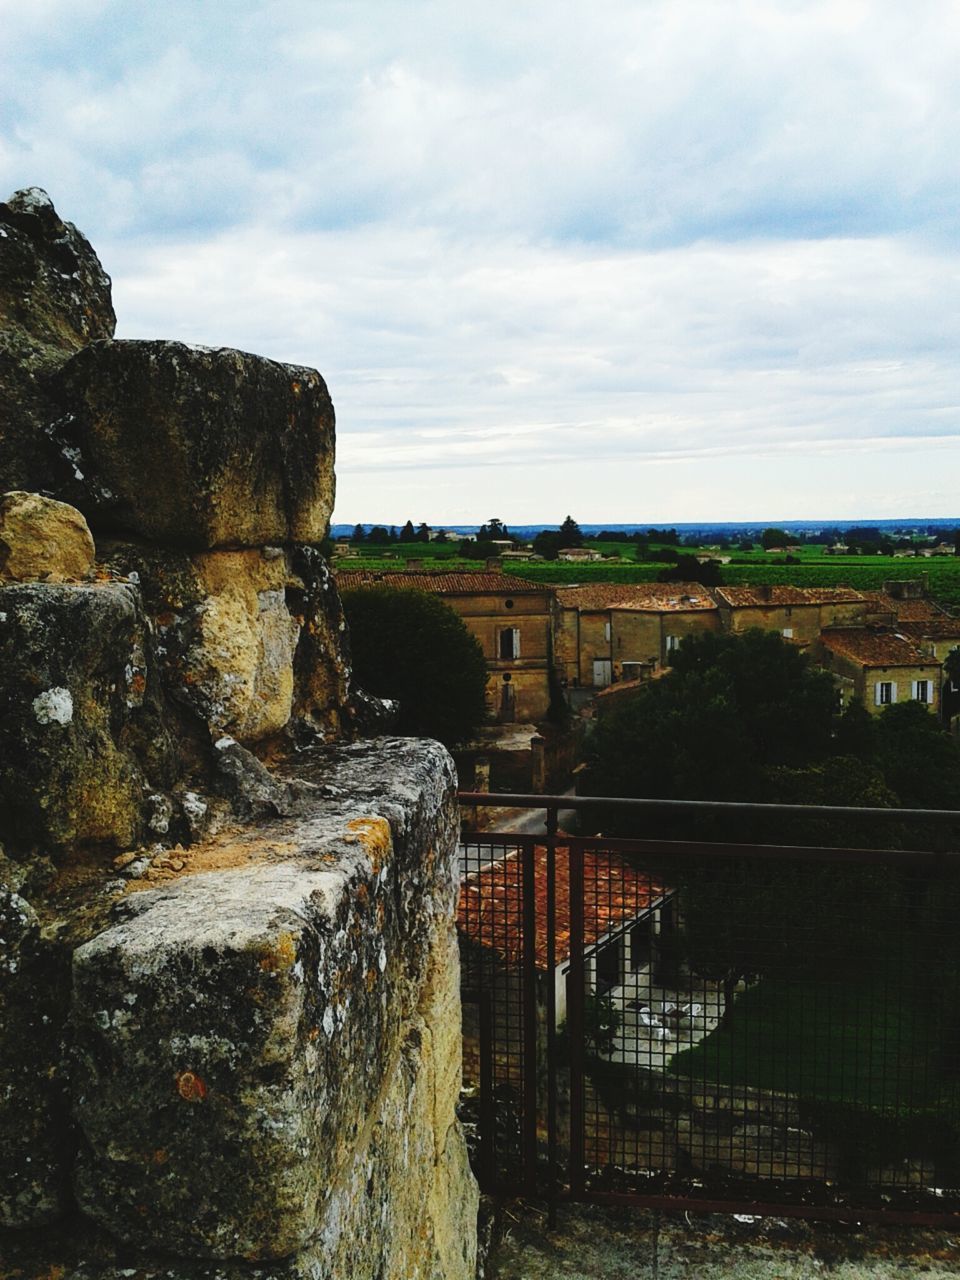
(423, 532)
(407, 533)
(569, 533)
(411, 646)
(358, 534)
(493, 531)
(690, 569)
(547, 544)
(378, 536)
(774, 538)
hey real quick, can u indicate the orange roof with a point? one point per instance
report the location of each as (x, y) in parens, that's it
(490, 911)
(775, 595)
(657, 597)
(439, 583)
(917, 609)
(875, 648)
(942, 628)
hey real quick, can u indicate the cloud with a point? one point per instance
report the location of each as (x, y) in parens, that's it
(552, 244)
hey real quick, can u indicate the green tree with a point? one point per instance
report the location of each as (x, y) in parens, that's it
(378, 536)
(493, 531)
(547, 544)
(410, 646)
(569, 534)
(774, 538)
(407, 533)
(358, 534)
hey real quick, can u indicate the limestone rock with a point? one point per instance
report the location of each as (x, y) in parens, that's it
(82, 738)
(201, 447)
(246, 639)
(43, 540)
(54, 298)
(261, 1017)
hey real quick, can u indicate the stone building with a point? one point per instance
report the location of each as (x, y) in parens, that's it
(614, 631)
(510, 617)
(798, 613)
(880, 668)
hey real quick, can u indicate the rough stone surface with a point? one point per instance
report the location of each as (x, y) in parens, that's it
(250, 643)
(54, 298)
(33, 1112)
(43, 540)
(275, 1019)
(82, 739)
(241, 446)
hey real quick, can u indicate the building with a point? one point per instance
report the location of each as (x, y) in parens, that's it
(510, 617)
(798, 613)
(626, 915)
(880, 668)
(610, 631)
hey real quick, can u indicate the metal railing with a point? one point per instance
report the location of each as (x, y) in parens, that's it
(726, 1026)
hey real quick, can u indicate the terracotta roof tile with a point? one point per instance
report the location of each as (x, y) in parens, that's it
(941, 628)
(657, 597)
(775, 595)
(875, 648)
(913, 610)
(491, 902)
(438, 583)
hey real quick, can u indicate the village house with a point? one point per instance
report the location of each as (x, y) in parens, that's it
(626, 916)
(798, 613)
(611, 631)
(510, 617)
(880, 668)
(579, 555)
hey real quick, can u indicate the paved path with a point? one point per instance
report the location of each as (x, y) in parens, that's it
(594, 1243)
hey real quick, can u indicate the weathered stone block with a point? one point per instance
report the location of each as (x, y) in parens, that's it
(235, 1033)
(81, 736)
(246, 639)
(54, 298)
(242, 446)
(43, 540)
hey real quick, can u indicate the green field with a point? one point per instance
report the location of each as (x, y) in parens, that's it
(814, 568)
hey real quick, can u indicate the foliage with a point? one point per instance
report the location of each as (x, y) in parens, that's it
(774, 538)
(569, 534)
(547, 544)
(690, 569)
(601, 1025)
(411, 646)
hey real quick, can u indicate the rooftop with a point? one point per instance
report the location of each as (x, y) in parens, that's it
(915, 609)
(762, 595)
(873, 648)
(658, 597)
(490, 910)
(439, 583)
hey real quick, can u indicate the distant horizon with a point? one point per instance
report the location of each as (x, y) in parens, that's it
(800, 526)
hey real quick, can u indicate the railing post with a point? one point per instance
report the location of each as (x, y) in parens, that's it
(551, 926)
(575, 1020)
(529, 1141)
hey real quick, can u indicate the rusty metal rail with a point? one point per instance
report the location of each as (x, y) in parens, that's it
(714, 1026)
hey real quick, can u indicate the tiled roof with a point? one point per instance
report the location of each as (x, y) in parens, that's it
(659, 597)
(490, 911)
(913, 610)
(941, 628)
(875, 648)
(445, 584)
(775, 595)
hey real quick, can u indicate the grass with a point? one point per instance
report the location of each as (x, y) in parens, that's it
(853, 1042)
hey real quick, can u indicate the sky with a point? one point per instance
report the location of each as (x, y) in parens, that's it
(635, 260)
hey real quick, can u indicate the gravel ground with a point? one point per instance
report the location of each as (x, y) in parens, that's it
(593, 1242)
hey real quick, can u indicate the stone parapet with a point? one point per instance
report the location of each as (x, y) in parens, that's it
(266, 1038)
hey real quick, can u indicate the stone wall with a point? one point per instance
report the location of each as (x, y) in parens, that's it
(229, 1001)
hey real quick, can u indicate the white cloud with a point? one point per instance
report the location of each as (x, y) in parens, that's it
(554, 244)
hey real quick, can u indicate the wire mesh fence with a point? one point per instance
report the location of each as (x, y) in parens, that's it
(735, 1025)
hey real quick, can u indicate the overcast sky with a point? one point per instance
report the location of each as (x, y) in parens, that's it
(638, 260)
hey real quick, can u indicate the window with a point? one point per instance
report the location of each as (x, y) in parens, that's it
(509, 643)
(886, 692)
(672, 642)
(921, 690)
(787, 633)
(606, 631)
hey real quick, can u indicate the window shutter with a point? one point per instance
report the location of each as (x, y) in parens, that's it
(914, 686)
(876, 693)
(516, 642)
(893, 691)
